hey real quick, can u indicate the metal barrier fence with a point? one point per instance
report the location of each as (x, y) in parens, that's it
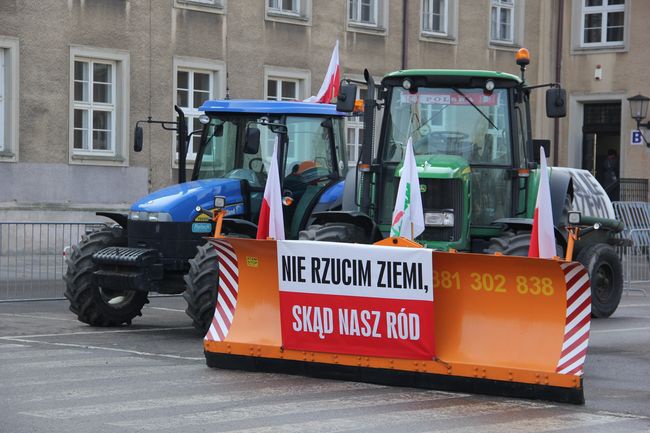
(636, 261)
(31, 257)
(634, 189)
(635, 258)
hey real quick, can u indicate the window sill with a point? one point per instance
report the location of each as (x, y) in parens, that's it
(83, 159)
(7, 156)
(438, 38)
(366, 28)
(599, 49)
(504, 45)
(287, 18)
(200, 7)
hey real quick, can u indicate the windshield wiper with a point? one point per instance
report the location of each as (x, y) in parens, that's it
(477, 109)
(433, 116)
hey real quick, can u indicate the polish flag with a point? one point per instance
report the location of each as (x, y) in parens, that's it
(330, 87)
(542, 239)
(271, 222)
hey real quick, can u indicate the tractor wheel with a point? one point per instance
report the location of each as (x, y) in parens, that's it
(512, 243)
(93, 304)
(334, 232)
(201, 287)
(606, 273)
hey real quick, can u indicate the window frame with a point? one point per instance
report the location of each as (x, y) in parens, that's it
(216, 70)
(604, 11)
(500, 5)
(10, 92)
(300, 76)
(91, 106)
(380, 16)
(119, 155)
(302, 15)
(444, 18)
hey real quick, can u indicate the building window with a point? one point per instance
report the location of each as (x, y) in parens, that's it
(368, 15)
(94, 106)
(363, 12)
(193, 88)
(196, 81)
(285, 84)
(99, 108)
(9, 63)
(282, 89)
(435, 16)
(603, 22)
(502, 21)
(291, 7)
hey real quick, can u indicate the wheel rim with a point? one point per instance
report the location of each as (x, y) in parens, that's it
(116, 299)
(605, 279)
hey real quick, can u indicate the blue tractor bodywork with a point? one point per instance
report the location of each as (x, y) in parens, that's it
(161, 233)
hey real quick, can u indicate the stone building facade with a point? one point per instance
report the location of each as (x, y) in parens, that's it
(75, 76)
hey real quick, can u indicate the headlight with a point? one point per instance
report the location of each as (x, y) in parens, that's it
(150, 216)
(439, 219)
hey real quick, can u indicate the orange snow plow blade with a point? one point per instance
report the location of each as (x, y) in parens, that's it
(498, 325)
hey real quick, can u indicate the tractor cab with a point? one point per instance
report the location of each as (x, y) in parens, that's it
(469, 133)
(237, 142)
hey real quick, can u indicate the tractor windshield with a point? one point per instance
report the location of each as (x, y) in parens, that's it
(462, 122)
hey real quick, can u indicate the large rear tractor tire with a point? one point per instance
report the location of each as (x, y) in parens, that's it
(334, 232)
(93, 304)
(201, 287)
(606, 273)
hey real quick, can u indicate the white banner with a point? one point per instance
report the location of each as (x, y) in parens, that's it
(331, 268)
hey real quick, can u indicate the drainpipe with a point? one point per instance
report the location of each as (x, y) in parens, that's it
(558, 77)
(405, 38)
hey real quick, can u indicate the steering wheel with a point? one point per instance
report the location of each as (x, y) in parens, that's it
(250, 164)
(253, 178)
(438, 141)
(315, 174)
(449, 135)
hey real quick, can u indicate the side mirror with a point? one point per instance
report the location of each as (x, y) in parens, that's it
(555, 102)
(538, 144)
(252, 141)
(346, 97)
(137, 139)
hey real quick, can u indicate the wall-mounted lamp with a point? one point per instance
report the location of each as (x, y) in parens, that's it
(639, 111)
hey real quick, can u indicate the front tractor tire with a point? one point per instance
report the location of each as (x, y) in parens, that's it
(512, 243)
(201, 284)
(334, 232)
(606, 274)
(94, 304)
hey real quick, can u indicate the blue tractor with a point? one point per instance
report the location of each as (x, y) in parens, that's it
(159, 245)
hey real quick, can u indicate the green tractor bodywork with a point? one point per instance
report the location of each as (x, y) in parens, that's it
(477, 166)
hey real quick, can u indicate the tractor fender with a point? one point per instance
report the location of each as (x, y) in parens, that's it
(348, 202)
(350, 217)
(561, 186)
(526, 224)
(239, 226)
(120, 218)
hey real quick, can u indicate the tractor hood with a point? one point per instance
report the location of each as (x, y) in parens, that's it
(181, 200)
(439, 166)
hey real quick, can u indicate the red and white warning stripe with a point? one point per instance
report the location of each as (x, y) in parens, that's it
(227, 291)
(578, 319)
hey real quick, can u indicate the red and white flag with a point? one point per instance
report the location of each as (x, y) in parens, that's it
(330, 87)
(542, 240)
(271, 222)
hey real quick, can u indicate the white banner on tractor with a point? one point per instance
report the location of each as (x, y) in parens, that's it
(359, 299)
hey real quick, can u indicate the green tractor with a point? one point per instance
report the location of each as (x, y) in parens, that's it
(478, 172)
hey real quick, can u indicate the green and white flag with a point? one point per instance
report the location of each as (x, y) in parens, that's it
(408, 215)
